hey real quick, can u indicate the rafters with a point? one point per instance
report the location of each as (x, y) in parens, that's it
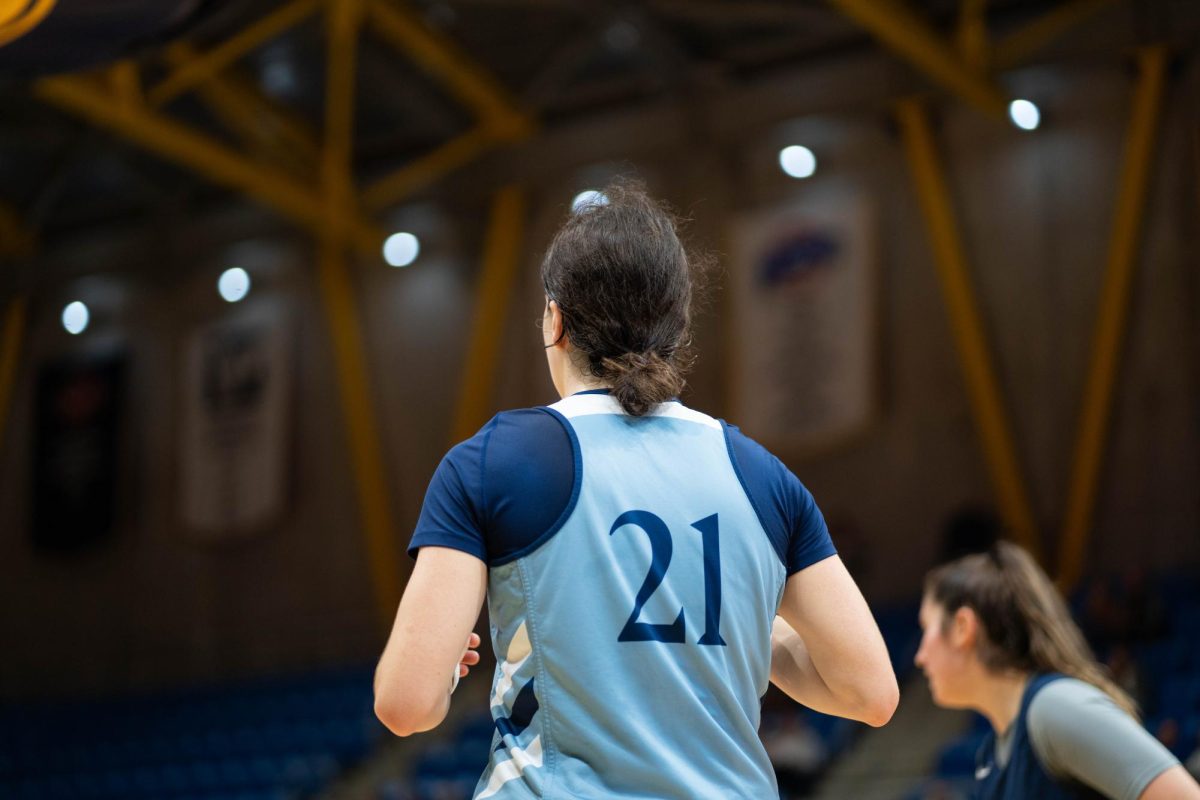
(912, 38)
(18, 19)
(193, 72)
(89, 98)
(120, 103)
(1021, 44)
(424, 171)
(268, 129)
(444, 60)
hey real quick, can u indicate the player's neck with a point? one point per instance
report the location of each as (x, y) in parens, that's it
(573, 383)
(1000, 698)
(565, 374)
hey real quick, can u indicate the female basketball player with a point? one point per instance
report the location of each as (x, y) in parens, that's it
(999, 639)
(633, 553)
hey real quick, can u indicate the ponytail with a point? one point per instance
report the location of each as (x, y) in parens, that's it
(641, 381)
(1026, 624)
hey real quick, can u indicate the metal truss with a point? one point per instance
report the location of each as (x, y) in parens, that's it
(310, 180)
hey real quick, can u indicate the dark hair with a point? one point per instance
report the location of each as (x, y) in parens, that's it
(625, 286)
(1026, 624)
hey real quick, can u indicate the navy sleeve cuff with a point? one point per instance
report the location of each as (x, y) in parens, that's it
(455, 541)
(812, 557)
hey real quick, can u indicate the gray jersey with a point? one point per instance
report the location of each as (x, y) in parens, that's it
(1078, 732)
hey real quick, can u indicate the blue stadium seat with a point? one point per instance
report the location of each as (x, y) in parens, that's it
(262, 740)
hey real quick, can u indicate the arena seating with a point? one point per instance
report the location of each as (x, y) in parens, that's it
(288, 737)
(266, 740)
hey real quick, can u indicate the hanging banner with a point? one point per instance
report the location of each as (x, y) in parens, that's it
(804, 297)
(75, 451)
(236, 425)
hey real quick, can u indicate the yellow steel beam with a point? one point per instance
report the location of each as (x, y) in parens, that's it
(358, 413)
(426, 170)
(995, 432)
(126, 83)
(1113, 312)
(498, 275)
(973, 35)
(442, 58)
(337, 289)
(19, 17)
(345, 18)
(914, 40)
(200, 69)
(242, 108)
(499, 118)
(1021, 44)
(10, 350)
(11, 9)
(176, 142)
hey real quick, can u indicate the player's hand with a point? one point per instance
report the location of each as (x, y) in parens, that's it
(470, 656)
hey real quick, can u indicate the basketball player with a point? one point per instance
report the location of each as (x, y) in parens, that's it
(998, 639)
(633, 553)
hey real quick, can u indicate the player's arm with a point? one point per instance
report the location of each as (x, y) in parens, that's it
(827, 652)
(437, 613)
(1174, 784)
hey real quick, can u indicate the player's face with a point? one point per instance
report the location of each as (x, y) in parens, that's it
(944, 660)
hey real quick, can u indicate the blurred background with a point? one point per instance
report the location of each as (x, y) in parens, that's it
(263, 262)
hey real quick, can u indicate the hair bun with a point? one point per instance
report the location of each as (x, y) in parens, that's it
(640, 381)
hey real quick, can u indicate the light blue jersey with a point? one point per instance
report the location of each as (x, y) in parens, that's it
(633, 633)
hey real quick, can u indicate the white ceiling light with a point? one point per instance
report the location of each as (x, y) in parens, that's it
(75, 317)
(401, 249)
(234, 284)
(798, 161)
(1024, 114)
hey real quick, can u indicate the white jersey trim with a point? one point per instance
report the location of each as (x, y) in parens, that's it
(583, 405)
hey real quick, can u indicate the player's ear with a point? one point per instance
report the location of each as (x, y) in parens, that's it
(964, 628)
(552, 324)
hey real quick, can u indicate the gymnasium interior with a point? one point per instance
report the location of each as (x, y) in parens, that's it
(263, 262)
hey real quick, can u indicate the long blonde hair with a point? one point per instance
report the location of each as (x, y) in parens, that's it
(1026, 624)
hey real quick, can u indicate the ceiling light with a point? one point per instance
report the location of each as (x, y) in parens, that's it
(401, 249)
(798, 161)
(75, 317)
(1024, 114)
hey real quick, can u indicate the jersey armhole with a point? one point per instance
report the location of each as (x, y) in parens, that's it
(577, 459)
(762, 520)
(484, 511)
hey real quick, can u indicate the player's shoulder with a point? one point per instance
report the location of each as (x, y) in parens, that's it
(529, 475)
(1060, 696)
(518, 449)
(522, 421)
(757, 465)
(1061, 706)
(519, 427)
(784, 506)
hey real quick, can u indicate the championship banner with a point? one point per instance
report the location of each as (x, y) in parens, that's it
(804, 300)
(75, 451)
(236, 425)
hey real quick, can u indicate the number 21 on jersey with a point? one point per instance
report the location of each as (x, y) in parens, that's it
(661, 547)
